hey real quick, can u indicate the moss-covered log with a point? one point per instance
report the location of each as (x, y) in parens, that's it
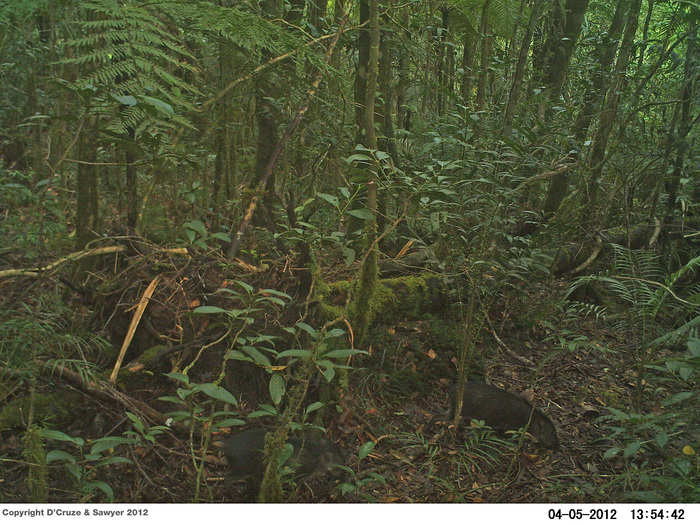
(392, 298)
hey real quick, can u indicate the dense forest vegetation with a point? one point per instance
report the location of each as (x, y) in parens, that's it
(381, 231)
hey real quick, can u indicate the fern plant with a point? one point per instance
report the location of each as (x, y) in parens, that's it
(134, 64)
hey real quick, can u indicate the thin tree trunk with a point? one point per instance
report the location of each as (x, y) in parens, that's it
(607, 116)
(520, 70)
(687, 96)
(485, 57)
(361, 73)
(469, 43)
(593, 98)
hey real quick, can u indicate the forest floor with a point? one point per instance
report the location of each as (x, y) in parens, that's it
(398, 399)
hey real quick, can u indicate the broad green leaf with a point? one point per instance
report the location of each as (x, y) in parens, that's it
(127, 100)
(357, 157)
(330, 199)
(248, 288)
(161, 106)
(257, 356)
(60, 436)
(217, 392)
(365, 449)
(221, 236)
(209, 310)
(632, 448)
(295, 353)
(611, 453)
(662, 439)
(308, 329)
(313, 407)
(101, 485)
(277, 388)
(197, 226)
(172, 399)
(270, 291)
(177, 376)
(677, 398)
(107, 443)
(116, 460)
(361, 213)
(60, 455)
(230, 422)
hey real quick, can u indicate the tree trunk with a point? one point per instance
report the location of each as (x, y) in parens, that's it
(688, 95)
(443, 61)
(469, 43)
(607, 116)
(266, 115)
(361, 73)
(402, 110)
(485, 57)
(86, 217)
(593, 98)
(561, 42)
(520, 70)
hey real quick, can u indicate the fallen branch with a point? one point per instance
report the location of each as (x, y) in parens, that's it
(76, 256)
(102, 390)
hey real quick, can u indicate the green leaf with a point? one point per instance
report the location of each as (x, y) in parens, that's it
(106, 443)
(277, 388)
(161, 106)
(611, 453)
(357, 157)
(308, 329)
(172, 399)
(197, 226)
(116, 460)
(328, 373)
(60, 455)
(313, 407)
(343, 353)
(138, 425)
(270, 291)
(230, 422)
(60, 436)
(661, 439)
(348, 255)
(335, 332)
(632, 448)
(217, 392)
(238, 356)
(248, 288)
(361, 213)
(101, 485)
(305, 354)
(365, 449)
(677, 398)
(221, 236)
(257, 356)
(127, 100)
(209, 310)
(263, 411)
(330, 199)
(346, 488)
